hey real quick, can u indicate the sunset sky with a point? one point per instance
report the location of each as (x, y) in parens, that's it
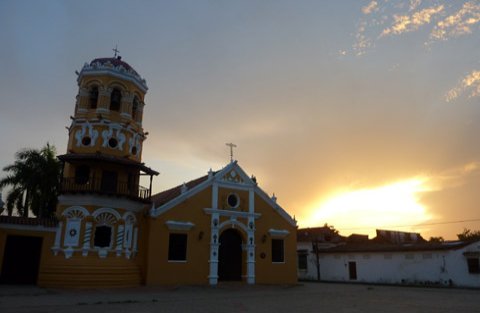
(359, 114)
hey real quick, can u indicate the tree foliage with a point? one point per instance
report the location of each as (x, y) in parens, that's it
(332, 228)
(34, 181)
(436, 239)
(469, 235)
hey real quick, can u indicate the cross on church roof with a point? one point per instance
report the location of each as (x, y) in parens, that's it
(231, 145)
(116, 51)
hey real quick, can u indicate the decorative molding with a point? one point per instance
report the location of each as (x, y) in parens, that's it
(100, 214)
(177, 225)
(119, 71)
(236, 214)
(101, 201)
(231, 223)
(68, 252)
(120, 234)
(75, 212)
(129, 218)
(72, 232)
(278, 233)
(86, 238)
(86, 130)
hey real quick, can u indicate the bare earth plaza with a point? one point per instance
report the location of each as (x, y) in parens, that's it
(305, 297)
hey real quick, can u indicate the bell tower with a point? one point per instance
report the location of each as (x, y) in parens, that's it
(101, 204)
(107, 130)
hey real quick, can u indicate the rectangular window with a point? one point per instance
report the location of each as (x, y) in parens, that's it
(473, 265)
(302, 260)
(177, 247)
(103, 236)
(352, 270)
(277, 251)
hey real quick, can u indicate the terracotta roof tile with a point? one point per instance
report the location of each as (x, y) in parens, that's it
(170, 194)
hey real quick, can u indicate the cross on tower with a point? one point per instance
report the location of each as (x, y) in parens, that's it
(116, 51)
(231, 145)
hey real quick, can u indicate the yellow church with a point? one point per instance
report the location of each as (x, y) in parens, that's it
(109, 231)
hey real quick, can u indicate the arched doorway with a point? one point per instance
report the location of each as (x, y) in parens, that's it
(230, 255)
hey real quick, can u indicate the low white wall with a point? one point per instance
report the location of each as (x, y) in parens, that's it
(446, 267)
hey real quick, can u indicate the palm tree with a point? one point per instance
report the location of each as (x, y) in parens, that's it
(34, 179)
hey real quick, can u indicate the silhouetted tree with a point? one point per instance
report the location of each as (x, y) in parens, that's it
(469, 235)
(436, 239)
(34, 179)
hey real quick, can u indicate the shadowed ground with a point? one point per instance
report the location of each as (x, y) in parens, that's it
(234, 297)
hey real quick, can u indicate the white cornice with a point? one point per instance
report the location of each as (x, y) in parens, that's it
(88, 70)
(178, 225)
(232, 213)
(100, 201)
(218, 179)
(279, 233)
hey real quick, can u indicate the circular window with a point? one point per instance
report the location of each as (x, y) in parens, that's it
(134, 150)
(86, 141)
(112, 142)
(233, 200)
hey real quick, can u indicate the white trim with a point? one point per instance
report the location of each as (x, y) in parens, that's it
(228, 224)
(178, 225)
(235, 186)
(154, 212)
(101, 201)
(89, 70)
(106, 210)
(278, 233)
(217, 180)
(127, 214)
(237, 199)
(75, 208)
(231, 213)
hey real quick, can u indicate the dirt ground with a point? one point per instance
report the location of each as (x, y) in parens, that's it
(304, 297)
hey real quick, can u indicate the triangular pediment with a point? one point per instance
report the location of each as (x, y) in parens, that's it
(234, 174)
(231, 176)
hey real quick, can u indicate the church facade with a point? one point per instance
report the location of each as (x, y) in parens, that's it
(110, 231)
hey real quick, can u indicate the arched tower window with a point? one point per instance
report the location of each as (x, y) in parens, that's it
(115, 100)
(135, 107)
(93, 97)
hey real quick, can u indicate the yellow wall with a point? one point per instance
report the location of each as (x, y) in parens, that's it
(196, 269)
(267, 272)
(91, 270)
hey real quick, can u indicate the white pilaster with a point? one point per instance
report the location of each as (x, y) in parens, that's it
(58, 237)
(251, 238)
(214, 246)
(119, 240)
(86, 238)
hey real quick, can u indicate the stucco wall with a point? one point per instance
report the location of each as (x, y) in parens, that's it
(445, 267)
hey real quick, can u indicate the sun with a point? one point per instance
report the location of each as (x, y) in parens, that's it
(364, 210)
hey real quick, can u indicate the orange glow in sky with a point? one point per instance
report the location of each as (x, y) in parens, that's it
(382, 207)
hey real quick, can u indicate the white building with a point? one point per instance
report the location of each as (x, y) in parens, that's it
(412, 262)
